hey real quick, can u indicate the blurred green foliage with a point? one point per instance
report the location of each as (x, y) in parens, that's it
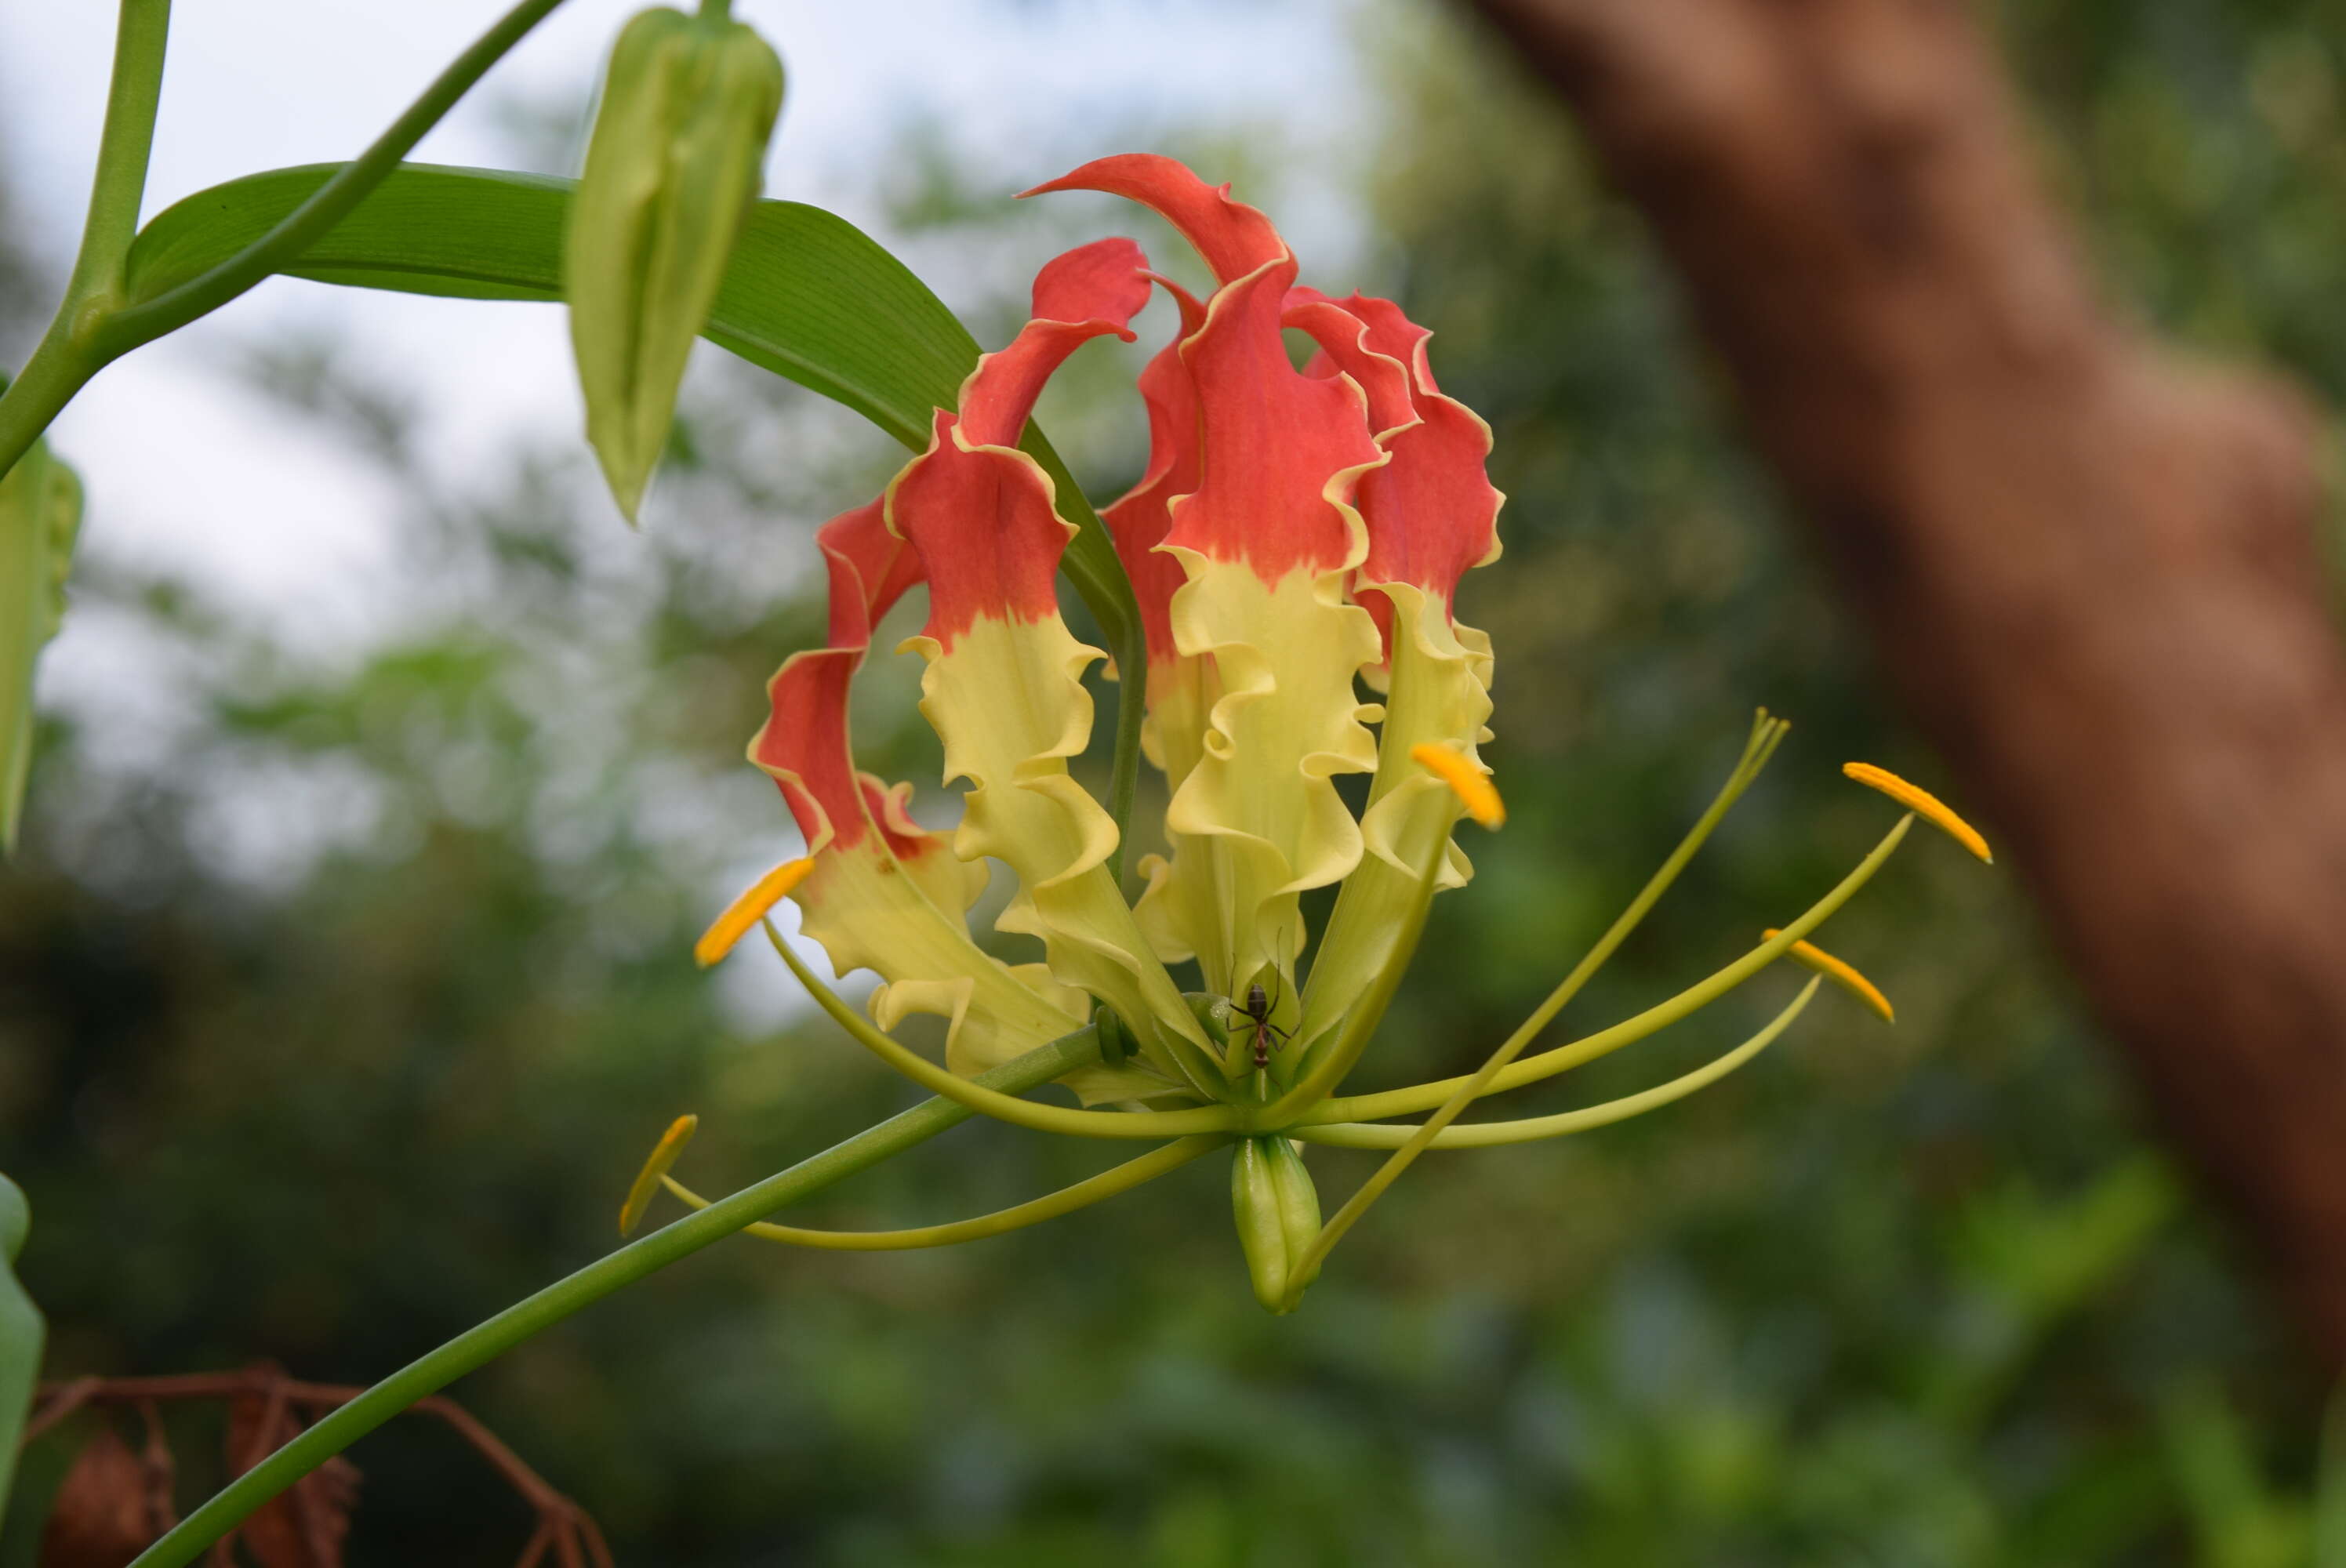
(336, 1013)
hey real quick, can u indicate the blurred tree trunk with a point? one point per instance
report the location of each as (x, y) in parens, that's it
(2090, 568)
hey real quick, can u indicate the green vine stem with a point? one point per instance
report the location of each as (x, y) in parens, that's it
(94, 326)
(142, 36)
(333, 202)
(483, 1343)
(64, 359)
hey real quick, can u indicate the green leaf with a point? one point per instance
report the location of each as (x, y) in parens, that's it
(809, 295)
(40, 512)
(21, 1333)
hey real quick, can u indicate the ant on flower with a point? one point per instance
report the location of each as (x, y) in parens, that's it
(1256, 1014)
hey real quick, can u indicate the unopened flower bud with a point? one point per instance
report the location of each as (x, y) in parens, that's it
(688, 105)
(40, 512)
(1278, 1212)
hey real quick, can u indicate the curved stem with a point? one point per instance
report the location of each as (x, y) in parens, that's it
(435, 1370)
(31, 403)
(65, 359)
(329, 205)
(1067, 1200)
(142, 35)
(1547, 1064)
(1000, 1106)
(1490, 1135)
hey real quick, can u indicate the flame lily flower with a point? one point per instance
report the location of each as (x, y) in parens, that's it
(1295, 543)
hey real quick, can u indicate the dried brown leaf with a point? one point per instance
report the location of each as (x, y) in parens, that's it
(306, 1526)
(104, 1511)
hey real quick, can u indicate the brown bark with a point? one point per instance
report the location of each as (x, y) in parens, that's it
(2089, 567)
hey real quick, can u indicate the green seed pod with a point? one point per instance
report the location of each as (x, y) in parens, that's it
(688, 105)
(1278, 1213)
(40, 512)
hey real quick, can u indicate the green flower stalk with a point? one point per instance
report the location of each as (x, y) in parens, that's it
(688, 105)
(1298, 535)
(40, 512)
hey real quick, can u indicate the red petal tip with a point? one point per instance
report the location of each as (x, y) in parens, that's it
(1233, 237)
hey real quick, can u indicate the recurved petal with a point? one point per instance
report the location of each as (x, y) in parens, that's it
(1138, 519)
(1346, 347)
(1258, 820)
(989, 541)
(803, 744)
(1090, 292)
(1181, 687)
(1438, 694)
(1431, 512)
(1282, 451)
(884, 893)
(1234, 239)
(1003, 688)
(1005, 695)
(884, 569)
(1266, 540)
(872, 909)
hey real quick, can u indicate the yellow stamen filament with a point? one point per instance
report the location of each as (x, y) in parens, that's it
(747, 911)
(1589, 1047)
(1923, 802)
(648, 1180)
(1466, 780)
(1003, 1107)
(1841, 973)
(1487, 1134)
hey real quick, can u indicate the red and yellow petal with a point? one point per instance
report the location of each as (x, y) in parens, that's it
(1138, 520)
(1282, 451)
(968, 503)
(1437, 694)
(1004, 692)
(1261, 709)
(1181, 688)
(1345, 348)
(1090, 292)
(1266, 541)
(1004, 686)
(1234, 239)
(1431, 511)
(1429, 514)
(878, 890)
